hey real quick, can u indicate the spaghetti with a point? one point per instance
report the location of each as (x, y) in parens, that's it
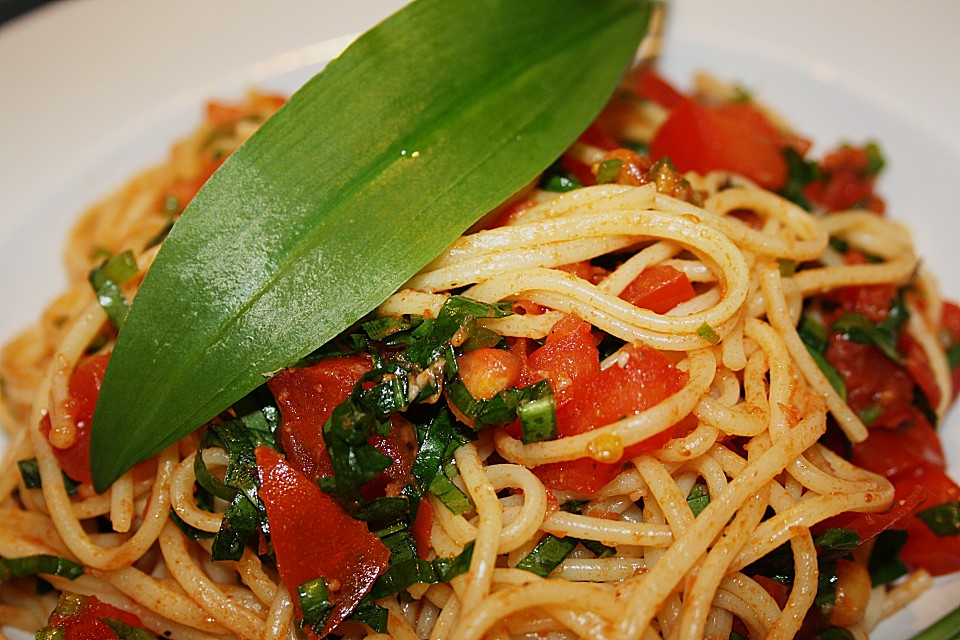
(687, 490)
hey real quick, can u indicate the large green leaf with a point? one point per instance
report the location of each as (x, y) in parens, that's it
(425, 123)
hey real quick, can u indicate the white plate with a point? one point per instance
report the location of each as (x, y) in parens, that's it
(94, 90)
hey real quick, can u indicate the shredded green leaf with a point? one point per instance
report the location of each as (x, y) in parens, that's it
(11, 568)
(706, 332)
(944, 519)
(547, 555)
(698, 499)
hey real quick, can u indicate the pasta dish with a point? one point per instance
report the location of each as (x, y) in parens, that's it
(683, 385)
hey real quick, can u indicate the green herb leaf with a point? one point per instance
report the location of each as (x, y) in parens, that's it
(698, 499)
(41, 563)
(548, 554)
(314, 600)
(296, 237)
(126, 631)
(944, 519)
(837, 538)
(106, 280)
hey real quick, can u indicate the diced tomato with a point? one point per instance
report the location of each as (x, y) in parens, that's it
(583, 269)
(422, 527)
(752, 118)
(918, 366)
(845, 182)
(220, 113)
(645, 378)
(650, 85)
(508, 214)
(82, 392)
(596, 137)
(634, 168)
(896, 452)
(80, 618)
(314, 538)
(873, 301)
(184, 189)
(568, 355)
(486, 372)
(701, 138)
(307, 397)
(875, 383)
(659, 288)
(939, 555)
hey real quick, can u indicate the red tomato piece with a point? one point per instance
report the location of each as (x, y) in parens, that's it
(568, 355)
(347, 555)
(939, 555)
(918, 366)
(79, 618)
(650, 85)
(644, 379)
(306, 398)
(700, 138)
(896, 452)
(422, 527)
(82, 392)
(846, 182)
(659, 288)
(870, 525)
(595, 137)
(875, 383)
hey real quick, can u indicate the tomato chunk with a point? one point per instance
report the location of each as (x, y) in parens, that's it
(82, 392)
(346, 554)
(81, 618)
(701, 138)
(643, 379)
(925, 549)
(659, 288)
(307, 397)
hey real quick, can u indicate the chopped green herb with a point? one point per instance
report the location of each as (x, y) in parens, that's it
(371, 614)
(875, 159)
(698, 499)
(787, 267)
(189, 530)
(706, 332)
(837, 538)
(884, 565)
(608, 171)
(126, 631)
(871, 414)
(11, 568)
(106, 280)
(30, 472)
(800, 173)
(315, 606)
(547, 555)
(944, 519)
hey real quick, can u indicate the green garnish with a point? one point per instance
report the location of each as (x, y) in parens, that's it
(547, 555)
(608, 171)
(296, 237)
(707, 332)
(698, 499)
(315, 606)
(944, 519)
(11, 568)
(106, 280)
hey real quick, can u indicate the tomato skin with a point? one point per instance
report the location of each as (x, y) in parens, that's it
(658, 288)
(700, 138)
(86, 623)
(349, 557)
(82, 392)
